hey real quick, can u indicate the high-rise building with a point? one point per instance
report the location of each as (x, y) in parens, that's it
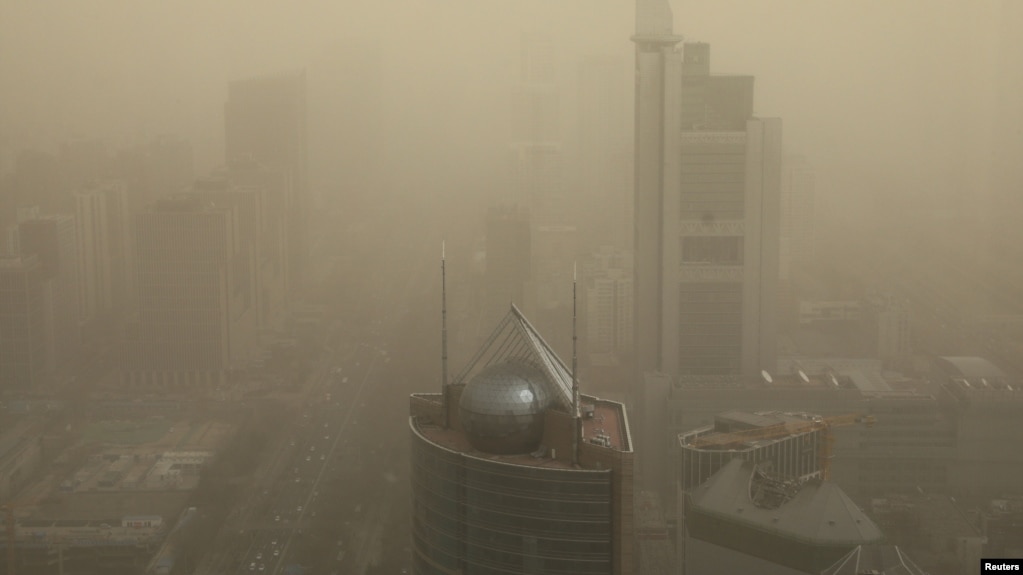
(346, 141)
(53, 239)
(537, 173)
(94, 289)
(265, 122)
(514, 471)
(195, 321)
(604, 194)
(1004, 200)
(706, 212)
(269, 189)
(23, 339)
(609, 303)
(508, 268)
(154, 169)
(798, 215)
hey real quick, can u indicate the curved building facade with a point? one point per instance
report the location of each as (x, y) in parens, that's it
(475, 515)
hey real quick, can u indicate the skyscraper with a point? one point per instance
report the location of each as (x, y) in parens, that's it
(509, 267)
(94, 289)
(604, 196)
(22, 323)
(196, 317)
(707, 178)
(53, 239)
(513, 471)
(798, 215)
(537, 161)
(265, 121)
(656, 165)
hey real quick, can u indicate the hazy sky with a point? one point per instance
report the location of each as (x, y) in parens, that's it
(870, 82)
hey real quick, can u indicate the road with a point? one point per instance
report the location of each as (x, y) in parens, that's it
(332, 491)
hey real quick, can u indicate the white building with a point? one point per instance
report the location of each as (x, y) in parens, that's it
(708, 177)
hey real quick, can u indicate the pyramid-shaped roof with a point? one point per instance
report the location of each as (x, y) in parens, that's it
(515, 338)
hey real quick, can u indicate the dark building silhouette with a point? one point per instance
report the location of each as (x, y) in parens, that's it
(196, 319)
(53, 239)
(509, 264)
(22, 323)
(265, 121)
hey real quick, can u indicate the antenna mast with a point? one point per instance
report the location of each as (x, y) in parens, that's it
(575, 380)
(443, 334)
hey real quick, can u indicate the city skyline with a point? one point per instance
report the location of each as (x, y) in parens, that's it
(225, 338)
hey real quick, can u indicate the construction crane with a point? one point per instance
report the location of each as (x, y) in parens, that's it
(736, 439)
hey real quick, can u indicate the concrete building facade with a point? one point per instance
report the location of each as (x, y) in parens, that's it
(707, 213)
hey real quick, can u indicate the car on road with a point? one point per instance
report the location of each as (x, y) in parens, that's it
(277, 552)
(277, 518)
(252, 566)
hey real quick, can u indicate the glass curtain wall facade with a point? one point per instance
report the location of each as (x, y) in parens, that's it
(476, 516)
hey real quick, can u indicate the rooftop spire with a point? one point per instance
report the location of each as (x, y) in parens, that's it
(443, 334)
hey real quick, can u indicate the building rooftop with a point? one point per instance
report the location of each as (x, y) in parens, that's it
(608, 421)
(727, 430)
(818, 513)
(976, 375)
(514, 402)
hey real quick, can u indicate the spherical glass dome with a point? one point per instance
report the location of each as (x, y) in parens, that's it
(502, 408)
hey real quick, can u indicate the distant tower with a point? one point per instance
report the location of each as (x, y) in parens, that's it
(706, 213)
(798, 215)
(656, 165)
(196, 319)
(603, 198)
(52, 239)
(265, 121)
(508, 269)
(23, 351)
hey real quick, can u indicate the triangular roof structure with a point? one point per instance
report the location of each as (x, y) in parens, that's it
(516, 338)
(819, 513)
